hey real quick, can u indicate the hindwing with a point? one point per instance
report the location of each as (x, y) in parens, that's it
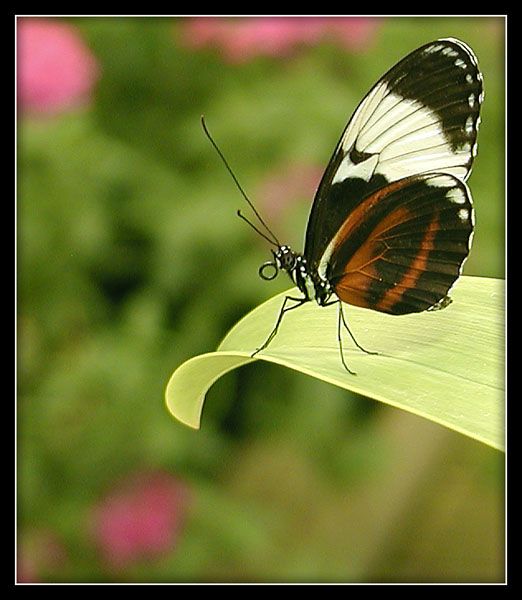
(401, 250)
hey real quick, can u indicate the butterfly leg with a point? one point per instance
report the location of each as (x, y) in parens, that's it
(284, 309)
(340, 340)
(341, 318)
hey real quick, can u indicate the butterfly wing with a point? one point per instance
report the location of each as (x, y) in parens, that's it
(402, 248)
(421, 116)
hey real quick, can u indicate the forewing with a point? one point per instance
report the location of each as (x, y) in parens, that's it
(421, 116)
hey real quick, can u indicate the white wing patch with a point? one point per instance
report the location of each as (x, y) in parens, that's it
(361, 115)
(363, 170)
(405, 137)
(401, 136)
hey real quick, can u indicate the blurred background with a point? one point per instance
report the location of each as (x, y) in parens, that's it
(131, 260)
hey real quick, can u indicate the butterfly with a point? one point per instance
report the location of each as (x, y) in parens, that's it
(392, 220)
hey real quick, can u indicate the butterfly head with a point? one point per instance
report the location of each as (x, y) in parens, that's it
(284, 259)
(311, 285)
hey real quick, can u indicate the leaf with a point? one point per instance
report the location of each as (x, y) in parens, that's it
(446, 366)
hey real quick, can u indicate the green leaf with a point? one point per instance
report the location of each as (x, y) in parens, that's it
(447, 365)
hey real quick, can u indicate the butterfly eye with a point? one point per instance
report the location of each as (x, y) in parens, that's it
(286, 259)
(287, 262)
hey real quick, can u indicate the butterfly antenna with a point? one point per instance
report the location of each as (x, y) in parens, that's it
(263, 235)
(272, 239)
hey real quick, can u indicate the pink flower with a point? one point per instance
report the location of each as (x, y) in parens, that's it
(139, 518)
(240, 39)
(55, 69)
(287, 185)
(40, 554)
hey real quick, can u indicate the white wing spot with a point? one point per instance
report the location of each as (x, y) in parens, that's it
(463, 214)
(456, 196)
(449, 52)
(441, 181)
(433, 49)
(469, 125)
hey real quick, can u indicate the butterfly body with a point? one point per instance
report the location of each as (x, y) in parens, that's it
(392, 219)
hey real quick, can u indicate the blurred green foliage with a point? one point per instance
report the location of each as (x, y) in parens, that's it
(131, 260)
